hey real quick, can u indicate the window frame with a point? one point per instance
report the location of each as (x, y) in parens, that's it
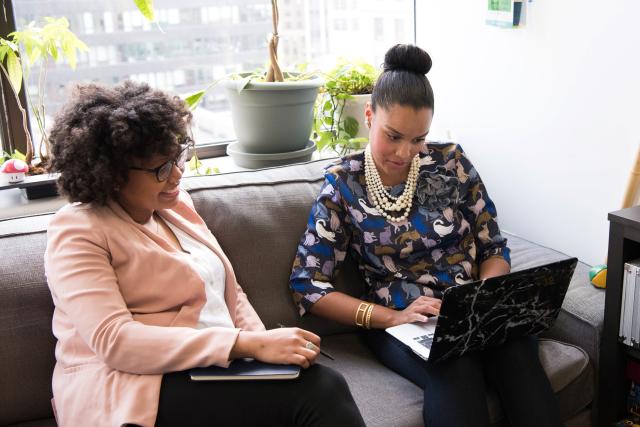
(11, 126)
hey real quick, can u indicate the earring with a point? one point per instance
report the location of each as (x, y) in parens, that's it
(367, 122)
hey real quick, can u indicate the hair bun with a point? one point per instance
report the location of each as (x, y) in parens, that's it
(407, 57)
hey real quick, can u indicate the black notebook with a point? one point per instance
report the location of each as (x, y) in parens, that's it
(245, 369)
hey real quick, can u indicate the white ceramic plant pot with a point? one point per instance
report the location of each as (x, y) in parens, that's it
(273, 117)
(354, 107)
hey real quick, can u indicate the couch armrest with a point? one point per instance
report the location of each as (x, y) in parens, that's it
(581, 318)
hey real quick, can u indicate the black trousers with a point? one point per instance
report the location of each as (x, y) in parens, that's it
(455, 390)
(319, 397)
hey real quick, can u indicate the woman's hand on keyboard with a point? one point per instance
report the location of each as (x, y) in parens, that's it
(418, 311)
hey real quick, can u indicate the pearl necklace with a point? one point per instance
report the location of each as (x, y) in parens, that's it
(384, 202)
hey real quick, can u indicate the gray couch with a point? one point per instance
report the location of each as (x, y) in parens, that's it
(258, 218)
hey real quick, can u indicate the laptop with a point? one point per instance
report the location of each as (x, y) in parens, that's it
(489, 312)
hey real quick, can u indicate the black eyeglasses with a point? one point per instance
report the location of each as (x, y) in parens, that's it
(164, 170)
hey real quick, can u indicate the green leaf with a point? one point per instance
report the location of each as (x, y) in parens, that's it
(194, 163)
(18, 155)
(194, 99)
(351, 77)
(31, 40)
(33, 52)
(7, 46)
(325, 139)
(351, 126)
(3, 51)
(328, 106)
(52, 50)
(11, 45)
(54, 39)
(317, 123)
(328, 120)
(69, 52)
(15, 70)
(146, 8)
(70, 45)
(357, 143)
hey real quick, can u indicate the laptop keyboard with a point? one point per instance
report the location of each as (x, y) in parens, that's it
(425, 340)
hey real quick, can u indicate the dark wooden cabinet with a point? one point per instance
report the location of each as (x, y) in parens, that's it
(624, 246)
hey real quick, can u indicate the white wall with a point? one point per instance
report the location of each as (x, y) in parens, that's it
(549, 113)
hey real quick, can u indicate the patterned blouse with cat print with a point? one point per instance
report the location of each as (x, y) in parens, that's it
(452, 228)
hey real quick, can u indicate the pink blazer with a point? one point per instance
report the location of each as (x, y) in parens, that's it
(126, 304)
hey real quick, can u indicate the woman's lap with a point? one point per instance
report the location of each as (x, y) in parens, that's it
(319, 397)
(455, 390)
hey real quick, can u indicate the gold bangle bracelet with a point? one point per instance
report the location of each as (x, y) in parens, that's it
(367, 323)
(362, 309)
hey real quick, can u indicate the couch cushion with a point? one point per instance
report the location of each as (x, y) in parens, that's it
(26, 341)
(386, 399)
(262, 246)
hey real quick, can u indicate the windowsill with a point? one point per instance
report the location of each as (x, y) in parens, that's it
(14, 203)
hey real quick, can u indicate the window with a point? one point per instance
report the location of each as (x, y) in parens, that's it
(340, 24)
(378, 28)
(87, 19)
(107, 22)
(200, 43)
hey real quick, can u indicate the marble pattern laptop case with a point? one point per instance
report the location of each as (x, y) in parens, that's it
(489, 312)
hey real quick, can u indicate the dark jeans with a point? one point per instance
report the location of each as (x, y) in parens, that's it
(455, 390)
(319, 397)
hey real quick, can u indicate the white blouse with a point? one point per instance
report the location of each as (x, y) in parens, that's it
(210, 268)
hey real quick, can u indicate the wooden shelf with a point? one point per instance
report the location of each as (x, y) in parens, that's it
(613, 386)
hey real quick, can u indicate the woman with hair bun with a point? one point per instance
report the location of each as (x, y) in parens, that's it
(417, 219)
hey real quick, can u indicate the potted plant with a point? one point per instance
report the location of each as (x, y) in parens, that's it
(339, 114)
(272, 111)
(273, 117)
(20, 53)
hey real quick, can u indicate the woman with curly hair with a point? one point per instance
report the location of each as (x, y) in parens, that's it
(143, 292)
(417, 219)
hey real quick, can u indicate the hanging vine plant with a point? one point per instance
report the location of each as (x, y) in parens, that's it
(332, 128)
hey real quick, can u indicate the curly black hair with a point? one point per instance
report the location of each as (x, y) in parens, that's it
(101, 129)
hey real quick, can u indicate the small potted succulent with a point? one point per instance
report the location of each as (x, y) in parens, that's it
(339, 114)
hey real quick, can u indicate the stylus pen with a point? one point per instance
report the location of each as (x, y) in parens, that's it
(324, 353)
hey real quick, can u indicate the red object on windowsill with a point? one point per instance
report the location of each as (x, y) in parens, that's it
(12, 171)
